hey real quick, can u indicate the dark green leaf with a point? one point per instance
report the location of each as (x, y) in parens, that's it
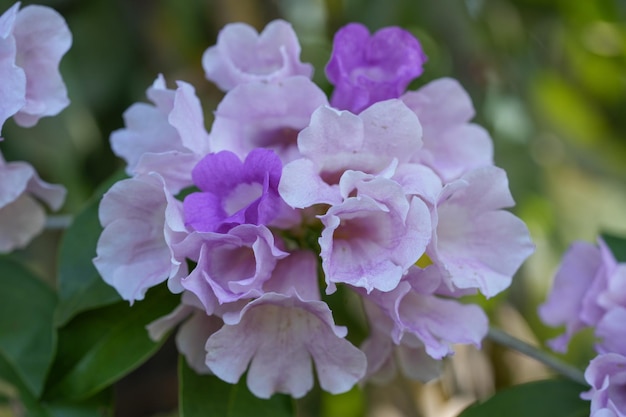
(617, 245)
(549, 398)
(208, 396)
(100, 346)
(27, 398)
(80, 285)
(100, 405)
(27, 337)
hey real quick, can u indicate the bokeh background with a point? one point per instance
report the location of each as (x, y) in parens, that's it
(548, 80)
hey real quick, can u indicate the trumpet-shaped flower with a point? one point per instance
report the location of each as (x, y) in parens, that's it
(32, 42)
(21, 215)
(279, 337)
(370, 240)
(607, 376)
(233, 266)
(476, 243)
(366, 69)
(168, 137)
(338, 141)
(268, 115)
(452, 145)
(588, 291)
(141, 221)
(242, 55)
(233, 192)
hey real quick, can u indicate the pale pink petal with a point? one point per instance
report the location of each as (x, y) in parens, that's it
(295, 274)
(268, 115)
(475, 242)
(132, 252)
(13, 85)
(192, 336)
(571, 283)
(20, 221)
(188, 119)
(21, 216)
(42, 38)
(242, 55)
(300, 331)
(440, 103)
(371, 240)
(610, 331)
(439, 323)
(300, 185)
(452, 146)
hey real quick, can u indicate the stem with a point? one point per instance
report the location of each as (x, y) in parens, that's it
(565, 369)
(58, 222)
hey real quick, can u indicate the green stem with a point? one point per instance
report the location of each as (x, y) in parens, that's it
(58, 222)
(565, 369)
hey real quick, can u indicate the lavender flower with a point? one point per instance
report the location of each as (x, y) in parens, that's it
(234, 192)
(242, 55)
(32, 42)
(606, 374)
(21, 215)
(588, 291)
(365, 70)
(168, 137)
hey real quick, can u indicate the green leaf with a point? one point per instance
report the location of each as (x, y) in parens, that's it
(27, 398)
(100, 346)
(100, 405)
(548, 398)
(27, 337)
(617, 245)
(80, 285)
(208, 396)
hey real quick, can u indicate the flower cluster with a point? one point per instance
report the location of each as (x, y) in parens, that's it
(32, 42)
(391, 195)
(589, 290)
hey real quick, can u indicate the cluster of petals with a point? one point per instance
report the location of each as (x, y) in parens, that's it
(238, 219)
(589, 290)
(606, 374)
(367, 69)
(32, 42)
(21, 215)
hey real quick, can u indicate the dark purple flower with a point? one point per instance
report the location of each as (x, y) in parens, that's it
(365, 69)
(234, 192)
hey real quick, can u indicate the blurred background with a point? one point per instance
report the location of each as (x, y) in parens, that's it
(548, 80)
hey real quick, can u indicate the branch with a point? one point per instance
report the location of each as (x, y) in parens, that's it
(565, 369)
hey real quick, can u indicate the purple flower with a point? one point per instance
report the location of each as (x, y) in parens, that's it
(234, 192)
(607, 376)
(32, 42)
(280, 336)
(366, 69)
(242, 55)
(231, 266)
(21, 215)
(588, 291)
